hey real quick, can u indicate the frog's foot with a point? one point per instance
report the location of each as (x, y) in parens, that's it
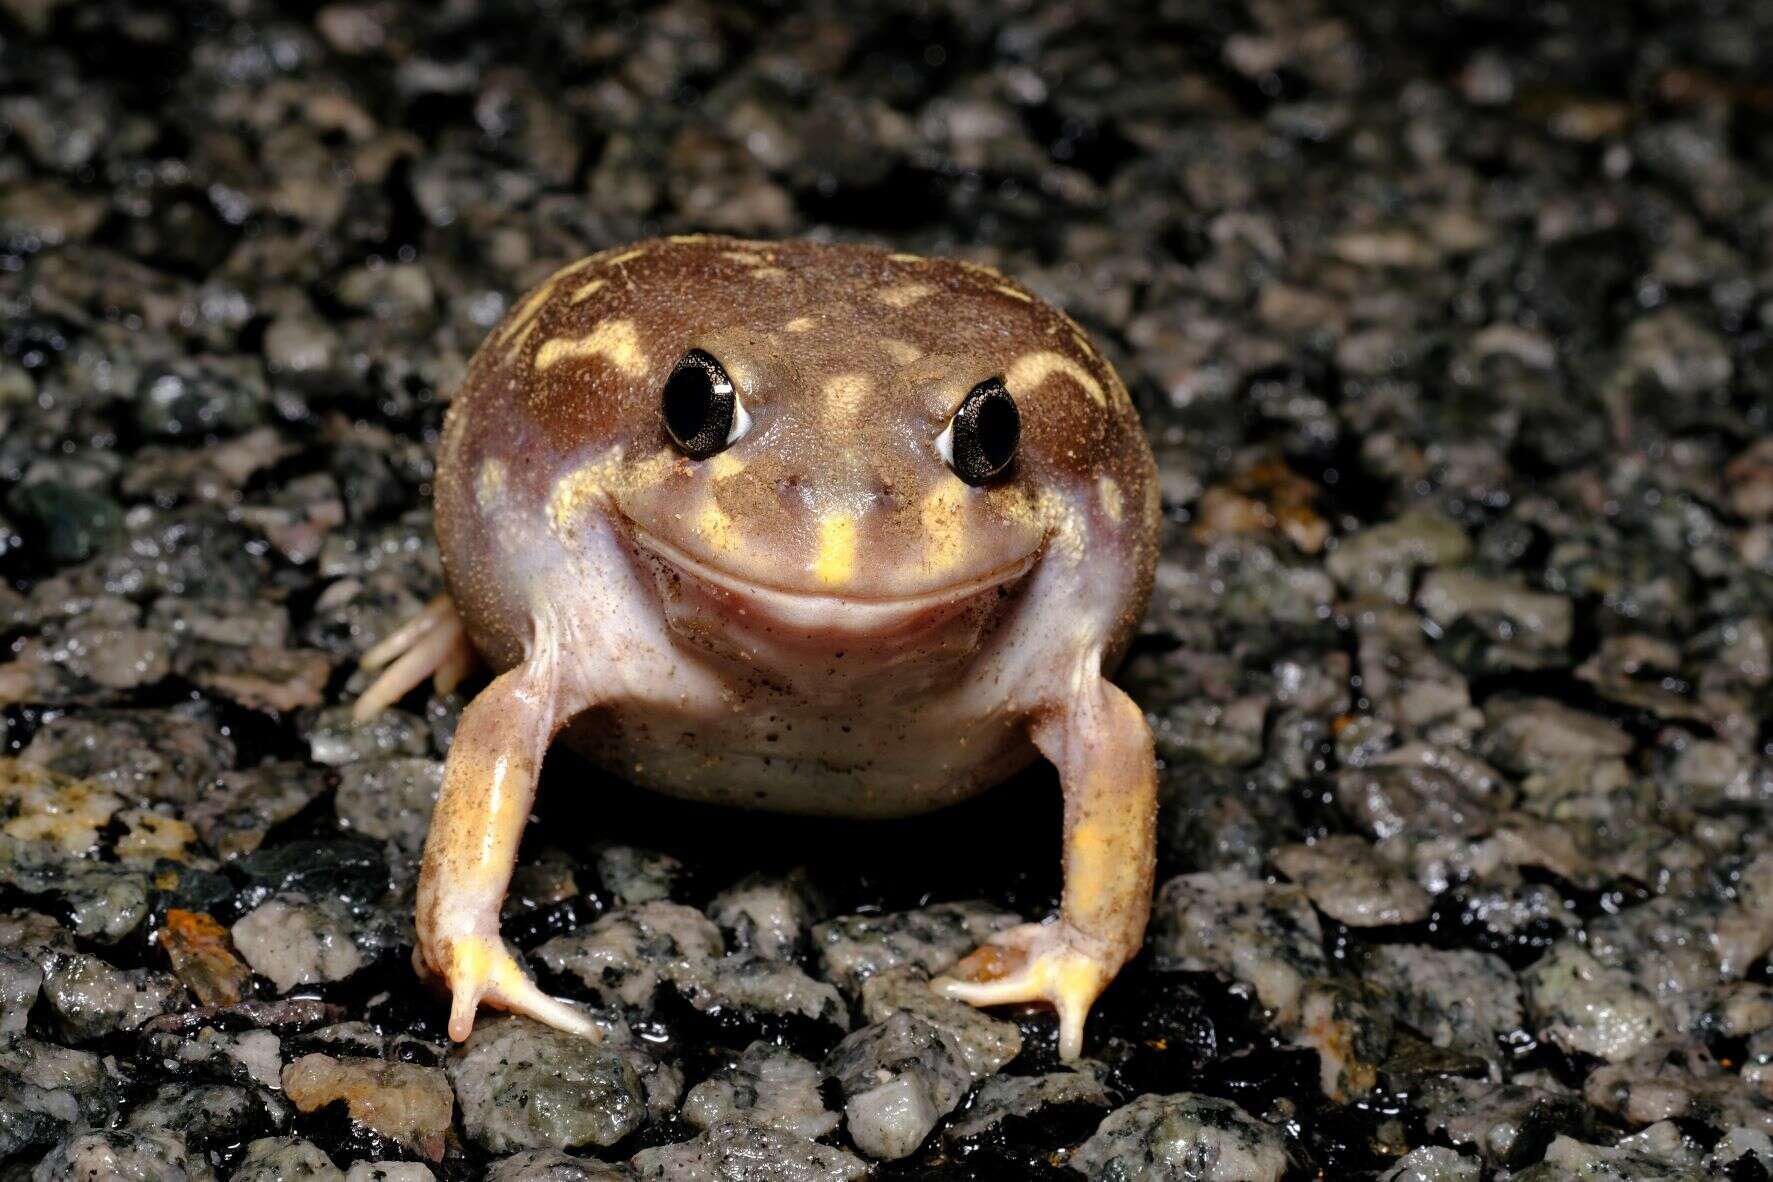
(432, 644)
(478, 969)
(1048, 962)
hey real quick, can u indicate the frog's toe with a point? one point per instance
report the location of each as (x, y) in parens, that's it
(1048, 963)
(480, 969)
(432, 644)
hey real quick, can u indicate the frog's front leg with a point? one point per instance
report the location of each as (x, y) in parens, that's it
(1102, 747)
(489, 783)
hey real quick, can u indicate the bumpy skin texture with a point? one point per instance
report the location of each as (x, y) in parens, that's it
(821, 618)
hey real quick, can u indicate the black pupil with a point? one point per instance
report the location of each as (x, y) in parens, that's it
(986, 429)
(698, 405)
(997, 428)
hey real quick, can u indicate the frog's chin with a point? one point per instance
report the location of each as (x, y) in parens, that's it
(697, 595)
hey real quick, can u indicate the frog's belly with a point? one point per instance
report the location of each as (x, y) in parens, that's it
(825, 762)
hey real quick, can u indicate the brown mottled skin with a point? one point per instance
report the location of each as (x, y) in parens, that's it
(821, 618)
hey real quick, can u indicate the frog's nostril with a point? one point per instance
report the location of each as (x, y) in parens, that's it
(791, 491)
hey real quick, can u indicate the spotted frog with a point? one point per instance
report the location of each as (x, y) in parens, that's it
(822, 529)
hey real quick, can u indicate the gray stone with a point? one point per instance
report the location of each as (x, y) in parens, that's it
(747, 1153)
(1005, 1096)
(628, 954)
(521, 1085)
(118, 1155)
(855, 947)
(899, 1077)
(769, 1086)
(1433, 1164)
(246, 1056)
(1582, 1005)
(551, 1165)
(1348, 881)
(1658, 1154)
(1382, 559)
(1454, 998)
(389, 1171)
(636, 876)
(297, 941)
(1507, 1124)
(756, 985)
(986, 1043)
(285, 1159)
(1261, 934)
(1182, 1138)
(20, 982)
(1540, 620)
(389, 799)
(91, 999)
(769, 916)
(208, 1114)
(142, 755)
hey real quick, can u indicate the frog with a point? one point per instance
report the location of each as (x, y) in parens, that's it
(813, 527)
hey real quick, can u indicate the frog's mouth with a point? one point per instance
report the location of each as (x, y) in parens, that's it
(693, 586)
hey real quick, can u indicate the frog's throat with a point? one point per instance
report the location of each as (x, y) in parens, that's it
(824, 614)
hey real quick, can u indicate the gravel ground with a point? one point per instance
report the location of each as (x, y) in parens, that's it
(1451, 329)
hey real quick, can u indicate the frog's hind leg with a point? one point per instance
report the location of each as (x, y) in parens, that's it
(432, 644)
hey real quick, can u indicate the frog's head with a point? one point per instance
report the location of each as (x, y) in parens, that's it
(838, 444)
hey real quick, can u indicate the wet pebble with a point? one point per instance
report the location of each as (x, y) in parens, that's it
(1182, 1137)
(899, 1077)
(405, 1102)
(525, 1086)
(294, 940)
(769, 1086)
(734, 1151)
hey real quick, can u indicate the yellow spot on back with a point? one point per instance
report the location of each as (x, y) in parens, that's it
(1028, 371)
(522, 321)
(625, 256)
(901, 352)
(990, 275)
(686, 239)
(835, 563)
(1080, 338)
(915, 260)
(845, 396)
(748, 257)
(768, 273)
(489, 485)
(944, 535)
(571, 269)
(799, 324)
(905, 294)
(615, 340)
(1113, 503)
(587, 290)
(1014, 292)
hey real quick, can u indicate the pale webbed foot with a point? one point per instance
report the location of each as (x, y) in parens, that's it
(476, 969)
(1036, 962)
(432, 644)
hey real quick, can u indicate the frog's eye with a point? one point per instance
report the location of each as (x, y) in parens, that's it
(980, 440)
(703, 414)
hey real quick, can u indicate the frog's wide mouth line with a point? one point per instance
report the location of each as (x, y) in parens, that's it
(823, 612)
